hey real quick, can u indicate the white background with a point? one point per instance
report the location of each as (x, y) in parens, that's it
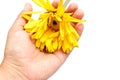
(98, 57)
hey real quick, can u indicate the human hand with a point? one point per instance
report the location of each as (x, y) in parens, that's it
(22, 60)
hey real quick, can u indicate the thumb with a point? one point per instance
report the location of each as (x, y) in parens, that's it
(20, 21)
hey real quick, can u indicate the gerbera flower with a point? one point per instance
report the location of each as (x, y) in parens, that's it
(53, 30)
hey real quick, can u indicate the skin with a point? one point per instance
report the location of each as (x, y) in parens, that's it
(22, 60)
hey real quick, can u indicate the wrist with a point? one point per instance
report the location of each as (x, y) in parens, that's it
(9, 72)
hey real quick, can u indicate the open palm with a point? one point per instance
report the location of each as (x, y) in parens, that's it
(25, 59)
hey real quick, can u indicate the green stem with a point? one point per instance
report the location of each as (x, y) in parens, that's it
(66, 3)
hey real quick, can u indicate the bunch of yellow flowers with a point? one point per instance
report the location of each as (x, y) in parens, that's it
(53, 30)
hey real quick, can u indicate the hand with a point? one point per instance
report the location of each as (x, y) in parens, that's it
(22, 60)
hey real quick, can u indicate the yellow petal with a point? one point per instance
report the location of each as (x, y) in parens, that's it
(68, 18)
(45, 16)
(38, 34)
(69, 30)
(62, 31)
(42, 45)
(42, 27)
(27, 17)
(58, 18)
(73, 31)
(40, 2)
(44, 4)
(33, 30)
(60, 9)
(48, 45)
(66, 47)
(60, 3)
(60, 42)
(45, 36)
(37, 43)
(32, 12)
(49, 6)
(72, 40)
(66, 28)
(55, 44)
(54, 34)
(43, 24)
(31, 26)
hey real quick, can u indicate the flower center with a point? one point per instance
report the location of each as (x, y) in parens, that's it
(53, 23)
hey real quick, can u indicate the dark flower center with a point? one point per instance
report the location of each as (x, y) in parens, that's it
(54, 22)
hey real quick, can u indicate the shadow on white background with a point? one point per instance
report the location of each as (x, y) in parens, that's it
(98, 55)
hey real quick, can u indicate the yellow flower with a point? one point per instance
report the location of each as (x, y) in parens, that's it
(53, 30)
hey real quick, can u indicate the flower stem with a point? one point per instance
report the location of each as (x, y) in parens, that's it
(66, 3)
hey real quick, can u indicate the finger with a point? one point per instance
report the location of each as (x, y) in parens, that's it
(61, 56)
(55, 3)
(20, 21)
(72, 8)
(79, 28)
(78, 14)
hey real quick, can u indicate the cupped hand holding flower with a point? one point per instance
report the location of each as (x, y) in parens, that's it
(52, 30)
(22, 60)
